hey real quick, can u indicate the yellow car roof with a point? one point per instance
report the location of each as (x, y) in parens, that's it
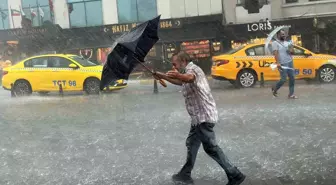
(54, 55)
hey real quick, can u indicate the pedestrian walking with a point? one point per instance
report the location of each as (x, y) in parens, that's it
(202, 109)
(282, 50)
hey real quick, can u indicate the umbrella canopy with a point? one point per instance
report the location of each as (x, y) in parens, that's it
(273, 37)
(128, 50)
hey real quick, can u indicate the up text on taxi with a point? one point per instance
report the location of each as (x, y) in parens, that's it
(244, 66)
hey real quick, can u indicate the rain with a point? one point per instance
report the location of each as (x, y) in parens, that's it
(58, 126)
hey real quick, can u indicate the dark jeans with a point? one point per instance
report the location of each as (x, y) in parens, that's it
(291, 75)
(204, 133)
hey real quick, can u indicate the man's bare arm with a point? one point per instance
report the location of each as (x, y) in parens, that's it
(187, 78)
(165, 77)
(276, 56)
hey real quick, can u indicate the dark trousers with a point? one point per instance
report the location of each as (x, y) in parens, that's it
(204, 133)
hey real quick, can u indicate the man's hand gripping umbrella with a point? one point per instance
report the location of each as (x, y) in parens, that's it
(163, 83)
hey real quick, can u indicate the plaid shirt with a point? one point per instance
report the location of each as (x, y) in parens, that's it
(199, 102)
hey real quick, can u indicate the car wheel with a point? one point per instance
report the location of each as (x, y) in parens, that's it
(91, 86)
(246, 79)
(327, 74)
(22, 88)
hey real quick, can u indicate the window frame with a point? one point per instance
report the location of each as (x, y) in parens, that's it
(7, 12)
(36, 7)
(303, 51)
(63, 67)
(32, 66)
(137, 13)
(85, 12)
(247, 54)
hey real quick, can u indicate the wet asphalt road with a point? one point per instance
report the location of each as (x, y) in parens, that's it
(134, 137)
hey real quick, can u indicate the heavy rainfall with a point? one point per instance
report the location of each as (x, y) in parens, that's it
(123, 92)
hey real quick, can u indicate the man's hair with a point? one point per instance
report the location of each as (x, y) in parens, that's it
(182, 56)
(278, 33)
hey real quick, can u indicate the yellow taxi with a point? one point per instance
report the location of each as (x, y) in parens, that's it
(55, 72)
(246, 65)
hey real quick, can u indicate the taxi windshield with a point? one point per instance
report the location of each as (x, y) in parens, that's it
(82, 61)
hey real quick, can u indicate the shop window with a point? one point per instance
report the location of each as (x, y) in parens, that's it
(36, 12)
(292, 1)
(4, 14)
(130, 11)
(197, 49)
(84, 13)
(102, 54)
(170, 50)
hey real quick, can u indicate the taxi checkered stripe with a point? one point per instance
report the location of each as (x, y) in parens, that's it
(270, 56)
(253, 57)
(56, 69)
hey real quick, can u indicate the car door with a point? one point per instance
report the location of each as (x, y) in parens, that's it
(36, 72)
(304, 65)
(261, 62)
(62, 74)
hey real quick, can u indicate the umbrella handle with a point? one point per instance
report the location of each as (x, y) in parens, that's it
(163, 83)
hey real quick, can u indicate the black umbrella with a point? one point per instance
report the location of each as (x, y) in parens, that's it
(129, 50)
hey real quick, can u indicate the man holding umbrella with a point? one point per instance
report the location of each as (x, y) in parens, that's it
(203, 112)
(282, 51)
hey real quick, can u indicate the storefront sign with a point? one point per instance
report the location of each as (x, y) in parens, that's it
(164, 24)
(27, 32)
(262, 26)
(30, 33)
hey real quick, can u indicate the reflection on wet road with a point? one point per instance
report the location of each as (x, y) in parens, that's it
(132, 136)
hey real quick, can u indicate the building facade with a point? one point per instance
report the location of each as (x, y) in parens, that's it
(202, 28)
(89, 27)
(307, 19)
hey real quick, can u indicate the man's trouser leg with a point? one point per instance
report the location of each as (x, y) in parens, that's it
(193, 143)
(291, 76)
(207, 136)
(283, 75)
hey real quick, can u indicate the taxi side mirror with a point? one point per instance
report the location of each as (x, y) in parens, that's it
(73, 66)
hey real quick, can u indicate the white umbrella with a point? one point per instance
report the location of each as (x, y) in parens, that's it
(275, 66)
(272, 36)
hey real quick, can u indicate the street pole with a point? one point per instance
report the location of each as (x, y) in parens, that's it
(156, 90)
(12, 16)
(38, 13)
(3, 23)
(2, 18)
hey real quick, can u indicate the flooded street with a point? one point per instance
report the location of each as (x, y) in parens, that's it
(133, 136)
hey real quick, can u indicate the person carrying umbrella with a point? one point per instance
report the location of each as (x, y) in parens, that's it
(202, 109)
(282, 50)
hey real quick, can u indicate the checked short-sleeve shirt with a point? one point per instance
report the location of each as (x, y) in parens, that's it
(199, 101)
